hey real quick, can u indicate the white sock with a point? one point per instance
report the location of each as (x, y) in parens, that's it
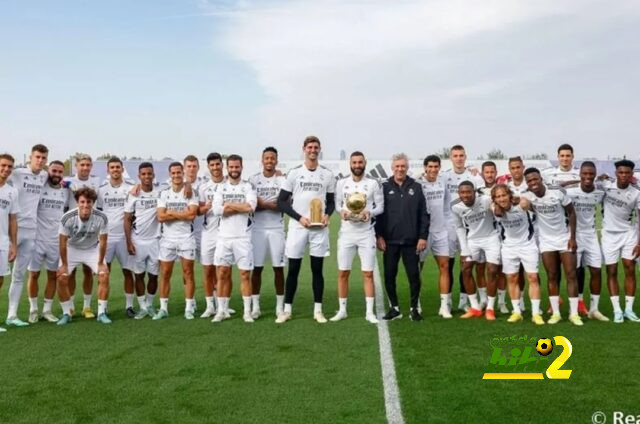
(189, 305)
(516, 306)
(555, 304)
(142, 301)
(102, 306)
(595, 298)
(86, 303)
(66, 307)
(317, 308)
(150, 298)
(581, 296)
(482, 291)
(246, 300)
(279, 303)
(615, 302)
(501, 296)
(255, 302)
(473, 300)
(209, 300)
(342, 302)
(444, 301)
(464, 298)
(225, 303)
(628, 307)
(287, 308)
(128, 297)
(535, 306)
(369, 303)
(522, 305)
(491, 301)
(164, 304)
(47, 305)
(33, 304)
(573, 306)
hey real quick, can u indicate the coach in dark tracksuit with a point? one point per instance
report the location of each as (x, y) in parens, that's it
(402, 231)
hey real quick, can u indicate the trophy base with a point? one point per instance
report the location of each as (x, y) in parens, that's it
(316, 225)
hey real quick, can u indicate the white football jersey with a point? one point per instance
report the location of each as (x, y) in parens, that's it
(586, 206)
(83, 234)
(8, 206)
(267, 188)
(517, 190)
(549, 209)
(210, 222)
(438, 202)
(198, 223)
(452, 180)
(111, 201)
(373, 194)
(29, 186)
(477, 220)
(54, 201)
(555, 176)
(144, 207)
(306, 185)
(516, 226)
(75, 183)
(239, 224)
(176, 230)
(618, 208)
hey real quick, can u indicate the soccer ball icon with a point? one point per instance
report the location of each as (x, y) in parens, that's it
(544, 346)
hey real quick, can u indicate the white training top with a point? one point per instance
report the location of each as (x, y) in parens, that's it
(373, 194)
(555, 176)
(619, 205)
(8, 206)
(52, 205)
(549, 209)
(83, 234)
(516, 226)
(210, 222)
(76, 183)
(144, 207)
(29, 186)
(438, 203)
(267, 189)
(176, 230)
(111, 201)
(451, 181)
(306, 185)
(239, 224)
(477, 220)
(517, 190)
(585, 205)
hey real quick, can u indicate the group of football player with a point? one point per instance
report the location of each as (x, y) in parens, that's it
(499, 226)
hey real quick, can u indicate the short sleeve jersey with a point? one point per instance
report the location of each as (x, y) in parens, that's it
(586, 206)
(549, 210)
(555, 176)
(374, 201)
(267, 188)
(83, 234)
(477, 219)
(516, 226)
(619, 207)
(306, 185)
(437, 198)
(210, 222)
(176, 201)
(8, 206)
(144, 208)
(29, 186)
(111, 201)
(239, 224)
(52, 205)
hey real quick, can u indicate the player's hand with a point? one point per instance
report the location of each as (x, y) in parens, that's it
(131, 248)
(365, 216)
(422, 245)
(325, 220)
(304, 221)
(381, 244)
(188, 190)
(572, 245)
(103, 268)
(345, 215)
(135, 190)
(13, 252)
(474, 171)
(227, 210)
(63, 271)
(636, 251)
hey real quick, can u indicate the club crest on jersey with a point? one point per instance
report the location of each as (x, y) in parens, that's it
(411, 192)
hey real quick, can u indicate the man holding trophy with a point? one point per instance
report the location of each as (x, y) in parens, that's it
(307, 196)
(359, 200)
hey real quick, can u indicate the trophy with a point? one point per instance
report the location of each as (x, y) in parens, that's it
(316, 212)
(356, 202)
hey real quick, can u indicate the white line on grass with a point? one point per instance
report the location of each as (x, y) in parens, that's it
(389, 382)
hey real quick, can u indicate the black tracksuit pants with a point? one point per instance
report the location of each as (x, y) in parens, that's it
(410, 259)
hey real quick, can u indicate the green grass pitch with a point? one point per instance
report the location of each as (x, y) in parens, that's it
(194, 372)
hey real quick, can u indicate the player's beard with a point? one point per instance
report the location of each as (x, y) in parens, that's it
(234, 175)
(54, 181)
(357, 171)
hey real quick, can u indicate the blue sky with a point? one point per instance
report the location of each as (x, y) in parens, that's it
(166, 78)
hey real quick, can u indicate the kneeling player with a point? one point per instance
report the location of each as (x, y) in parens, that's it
(83, 241)
(357, 233)
(518, 249)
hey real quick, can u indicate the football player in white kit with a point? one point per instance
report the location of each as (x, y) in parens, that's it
(268, 230)
(556, 219)
(620, 237)
(210, 225)
(452, 179)
(357, 233)
(112, 196)
(29, 182)
(191, 168)
(176, 213)
(83, 178)
(83, 240)
(142, 235)
(518, 185)
(54, 202)
(307, 184)
(586, 198)
(437, 199)
(8, 219)
(479, 239)
(234, 201)
(519, 250)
